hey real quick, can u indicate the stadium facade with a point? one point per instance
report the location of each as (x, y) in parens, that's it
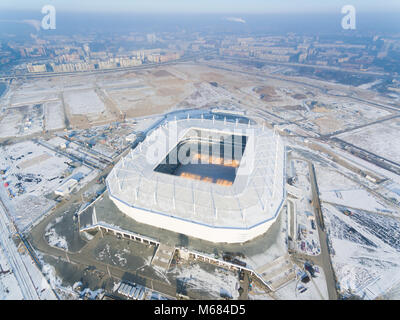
(211, 179)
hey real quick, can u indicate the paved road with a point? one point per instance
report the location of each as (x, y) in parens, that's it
(326, 262)
(83, 257)
(323, 259)
(245, 286)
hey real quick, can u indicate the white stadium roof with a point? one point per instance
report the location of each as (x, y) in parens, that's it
(255, 197)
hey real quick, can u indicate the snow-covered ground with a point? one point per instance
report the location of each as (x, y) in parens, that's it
(355, 198)
(42, 286)
(217, 284)
(25, 281)
(54, 115)
(32, 172)
(22, 121)
(9, 288)
(362, 227)
(381, 138)
(116, 257)
(339, 185)
(315, 289)
(365, 251)
(329, 179)
(9, 125)
(53, 238)
(29, 98)
(362, 231)
(84, 102)
(390, 190)
(207, 94)
(259, 294)
(145, 123)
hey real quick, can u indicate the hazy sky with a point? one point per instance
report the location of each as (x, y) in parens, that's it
(204, 6)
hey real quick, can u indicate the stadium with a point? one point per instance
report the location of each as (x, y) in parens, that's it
(216, 180)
